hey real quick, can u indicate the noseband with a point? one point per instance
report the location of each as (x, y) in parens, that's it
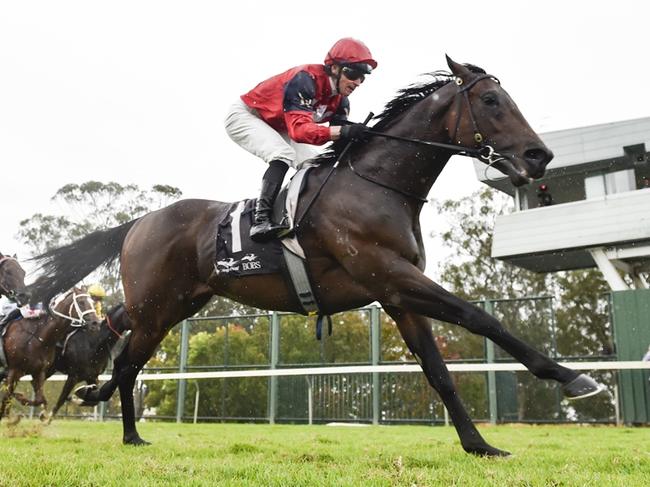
(486, 152)
(77, 321)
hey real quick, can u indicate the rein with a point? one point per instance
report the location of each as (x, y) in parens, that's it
(485, 152)
(111, 327)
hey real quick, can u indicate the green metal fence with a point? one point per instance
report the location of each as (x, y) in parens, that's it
(360, 337)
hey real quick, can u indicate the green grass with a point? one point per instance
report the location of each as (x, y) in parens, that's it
(70, 453)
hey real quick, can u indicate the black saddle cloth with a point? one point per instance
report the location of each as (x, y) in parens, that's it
(237, 255)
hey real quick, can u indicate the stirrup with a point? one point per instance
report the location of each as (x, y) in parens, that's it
(286, 233)
(263, 235)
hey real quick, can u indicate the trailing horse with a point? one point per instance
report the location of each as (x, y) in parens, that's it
(361, 237)
(84, 354)
(29, 345)
(12, 280)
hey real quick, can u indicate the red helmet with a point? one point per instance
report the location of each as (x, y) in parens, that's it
(350, 51)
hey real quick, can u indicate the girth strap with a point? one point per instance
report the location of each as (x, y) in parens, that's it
(300, 280)
(319, 326)
(302, 286)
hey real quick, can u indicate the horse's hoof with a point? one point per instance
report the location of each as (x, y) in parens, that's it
(82, 393)
(135, 441)
(486, 450)
(83, 403)
(45, 417)
(581, 387)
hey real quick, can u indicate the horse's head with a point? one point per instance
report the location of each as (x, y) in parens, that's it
(76, 306)
(12, 280)
(484, 116)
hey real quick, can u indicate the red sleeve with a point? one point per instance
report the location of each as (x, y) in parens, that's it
(302, 128)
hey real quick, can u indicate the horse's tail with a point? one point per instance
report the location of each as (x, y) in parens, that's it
(65, 266)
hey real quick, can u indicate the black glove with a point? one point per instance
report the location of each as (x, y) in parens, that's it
(354, 131)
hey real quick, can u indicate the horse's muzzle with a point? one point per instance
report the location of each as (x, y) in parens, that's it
(537, 159)
(22, 298)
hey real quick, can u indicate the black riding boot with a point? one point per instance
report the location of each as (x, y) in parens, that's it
(264, 228)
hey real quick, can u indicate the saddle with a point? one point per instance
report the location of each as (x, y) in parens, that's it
(238, 256)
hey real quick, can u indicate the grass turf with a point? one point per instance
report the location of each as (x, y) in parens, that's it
(70, 453)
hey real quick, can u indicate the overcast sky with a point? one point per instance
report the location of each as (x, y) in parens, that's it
(136, 92)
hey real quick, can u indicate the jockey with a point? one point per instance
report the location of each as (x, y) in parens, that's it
(10, 311)
(97, 293)
(279, 119)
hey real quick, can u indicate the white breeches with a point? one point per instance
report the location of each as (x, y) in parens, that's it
(247, 129)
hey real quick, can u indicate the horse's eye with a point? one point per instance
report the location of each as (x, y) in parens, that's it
(489, 99)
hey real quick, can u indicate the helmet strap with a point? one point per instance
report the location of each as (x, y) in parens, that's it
(337, 78)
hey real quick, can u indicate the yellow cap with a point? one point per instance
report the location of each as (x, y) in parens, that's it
(96, 291)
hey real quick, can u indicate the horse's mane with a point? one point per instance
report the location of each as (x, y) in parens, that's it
(405, 99)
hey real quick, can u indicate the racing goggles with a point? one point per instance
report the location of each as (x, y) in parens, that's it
(356, 71)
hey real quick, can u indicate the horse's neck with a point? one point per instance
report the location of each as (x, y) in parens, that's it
(410, 167)
(105, 338)
(54, 330)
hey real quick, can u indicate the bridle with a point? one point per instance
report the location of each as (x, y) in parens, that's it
(10, 293)
(77, 321)
(484, 152)
(112, 328)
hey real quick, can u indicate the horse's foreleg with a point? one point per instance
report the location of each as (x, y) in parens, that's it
(90, 394)
(416, 331)
(63, 397)
(7, 389)
(411, 290)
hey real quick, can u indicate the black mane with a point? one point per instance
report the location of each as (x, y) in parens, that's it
(405, 99)
(409, 96)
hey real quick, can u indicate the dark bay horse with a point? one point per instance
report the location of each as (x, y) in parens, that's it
(84, 354)
(12, 280)
(361, 236)
(29, 344)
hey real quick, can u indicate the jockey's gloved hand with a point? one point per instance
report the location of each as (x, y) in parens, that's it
(355, 131)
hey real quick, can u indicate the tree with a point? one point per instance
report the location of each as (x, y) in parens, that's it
(91, 206)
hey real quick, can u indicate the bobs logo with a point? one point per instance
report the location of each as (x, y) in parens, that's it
(250, 262)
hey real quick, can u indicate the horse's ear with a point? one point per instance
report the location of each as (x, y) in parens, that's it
(16, 256)
(458, 69)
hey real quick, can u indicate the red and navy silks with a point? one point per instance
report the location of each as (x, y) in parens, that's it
(297, 100)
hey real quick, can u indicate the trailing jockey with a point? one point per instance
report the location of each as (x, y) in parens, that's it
(279, 119)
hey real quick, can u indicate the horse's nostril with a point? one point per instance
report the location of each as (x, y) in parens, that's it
(537, 159)
(535, 155)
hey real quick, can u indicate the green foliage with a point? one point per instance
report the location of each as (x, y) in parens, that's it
(472, 273)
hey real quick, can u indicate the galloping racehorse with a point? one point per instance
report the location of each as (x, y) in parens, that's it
(85, 353)
(361, 237)
(12, 280)
(29, 344)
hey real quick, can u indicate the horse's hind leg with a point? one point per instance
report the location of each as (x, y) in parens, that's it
(127, 383)
(416, 331)
(140, 349)
(63, 397)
